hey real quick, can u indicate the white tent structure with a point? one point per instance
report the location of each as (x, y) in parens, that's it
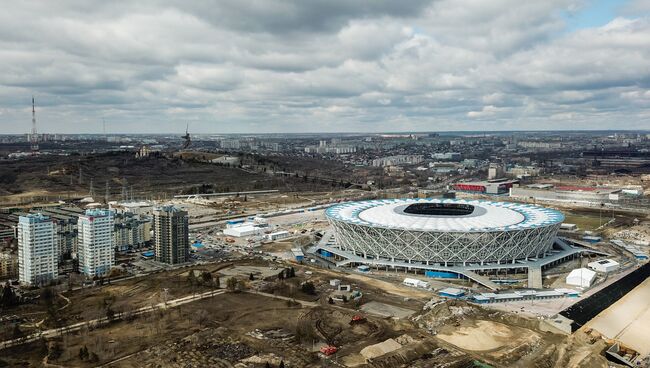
(582, 277)
(244, 230)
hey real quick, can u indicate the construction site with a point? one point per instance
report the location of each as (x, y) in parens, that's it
(248, 311)
(270, 281)
(304, 184)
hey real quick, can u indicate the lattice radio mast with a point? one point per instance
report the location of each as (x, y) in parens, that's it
(34, 136)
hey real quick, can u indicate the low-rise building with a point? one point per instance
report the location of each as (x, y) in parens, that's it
(277, 235)
(486, 187)
(604, 265)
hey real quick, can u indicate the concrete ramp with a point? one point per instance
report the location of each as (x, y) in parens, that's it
(563, 244)
(323, 243)
(480, 279)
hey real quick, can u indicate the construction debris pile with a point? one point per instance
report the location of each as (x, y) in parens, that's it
(275, 334)
(438, 313)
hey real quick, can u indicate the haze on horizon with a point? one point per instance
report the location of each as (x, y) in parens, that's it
(324, 65)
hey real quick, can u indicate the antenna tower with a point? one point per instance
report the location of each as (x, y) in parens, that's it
(33, 138)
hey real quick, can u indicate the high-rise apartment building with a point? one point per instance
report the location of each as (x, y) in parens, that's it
(95, 249)
(37, 250)
(171, 235)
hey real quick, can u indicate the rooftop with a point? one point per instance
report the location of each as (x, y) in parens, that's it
(446, 215)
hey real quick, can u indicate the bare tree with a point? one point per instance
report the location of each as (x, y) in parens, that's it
(201, 317)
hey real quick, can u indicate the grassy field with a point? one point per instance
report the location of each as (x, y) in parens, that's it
(585, 222)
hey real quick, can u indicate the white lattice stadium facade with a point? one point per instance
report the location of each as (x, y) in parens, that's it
(444, 232)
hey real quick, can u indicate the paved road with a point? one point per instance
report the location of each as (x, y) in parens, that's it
(301, 302)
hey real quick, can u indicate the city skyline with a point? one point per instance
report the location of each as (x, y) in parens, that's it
(282, 66)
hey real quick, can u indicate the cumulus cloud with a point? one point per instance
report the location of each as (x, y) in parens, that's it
(330, 65)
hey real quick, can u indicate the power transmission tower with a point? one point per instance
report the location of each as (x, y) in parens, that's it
(125, 190)
(92, 190)
(106, 192)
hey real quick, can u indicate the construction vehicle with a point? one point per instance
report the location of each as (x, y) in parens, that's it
(328, 350)
(357, 319)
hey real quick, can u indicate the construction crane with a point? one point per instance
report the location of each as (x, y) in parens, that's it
(188, 139)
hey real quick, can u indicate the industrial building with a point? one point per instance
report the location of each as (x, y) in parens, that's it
(37, 250)
(171, 235)
(573, 194)
(96, 252)
(486, 187)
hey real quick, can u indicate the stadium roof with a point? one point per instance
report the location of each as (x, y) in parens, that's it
(486, 216)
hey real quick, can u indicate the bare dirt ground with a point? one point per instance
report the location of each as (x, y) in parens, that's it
(386, 310)
(487, 335)
(91, 303)
(249, 329)
(506, 339)
(389, 287)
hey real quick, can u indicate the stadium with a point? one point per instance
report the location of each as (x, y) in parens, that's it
(443, 232)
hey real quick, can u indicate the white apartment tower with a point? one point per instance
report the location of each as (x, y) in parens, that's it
(96, 252)
(38, 252)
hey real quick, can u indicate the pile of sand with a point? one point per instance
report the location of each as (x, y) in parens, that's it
(373, 351)
(484, 336)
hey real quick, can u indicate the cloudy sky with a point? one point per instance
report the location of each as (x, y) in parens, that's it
(238, 66)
